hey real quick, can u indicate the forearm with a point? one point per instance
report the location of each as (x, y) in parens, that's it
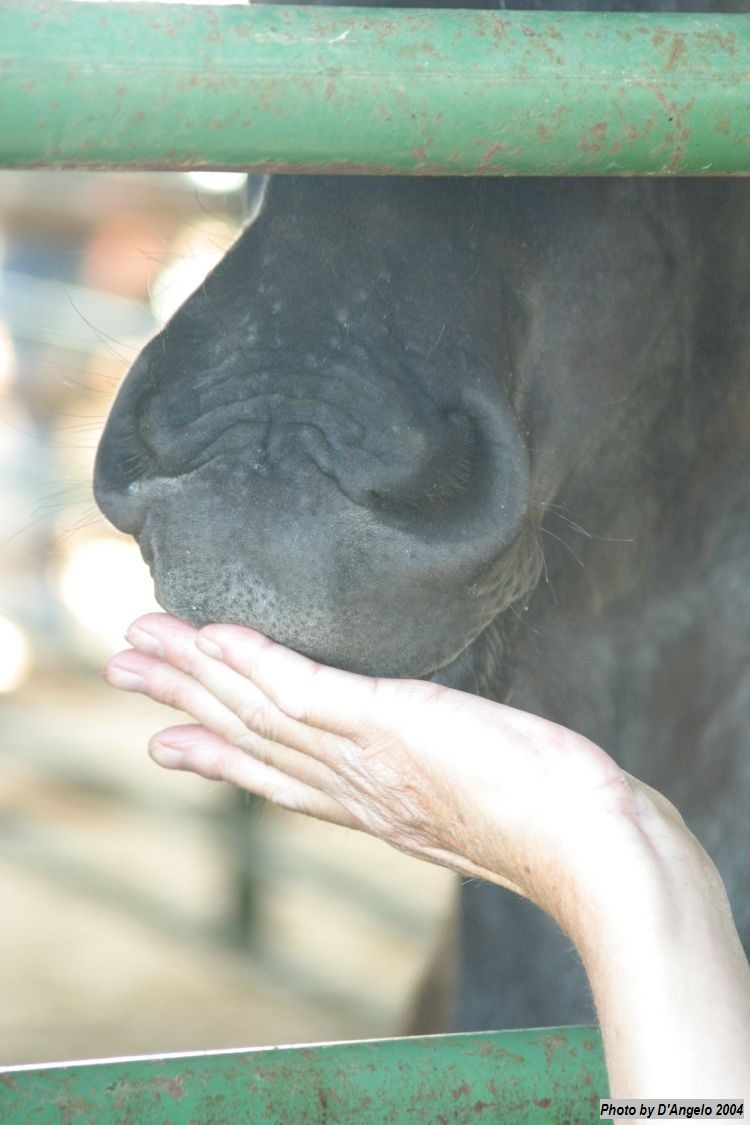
(669, 977)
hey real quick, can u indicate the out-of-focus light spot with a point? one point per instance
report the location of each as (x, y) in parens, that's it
(105, 585)
(123, 256)
(175, 284)
(15, 656)
(198, 249)
(16, 445)
(219, 182)
(7, 359)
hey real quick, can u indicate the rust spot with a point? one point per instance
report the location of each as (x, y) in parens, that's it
(488, 160)
(677, 158)
(500, 1052)
(718, 40)
(499, 29)
(551, 1043)
(428, 48)
(593, 142)
(330, 89)
(676, 52)
(9, 1081)
(544, 1103)
(70, 1109)
(657, 37)
(172, 1086)
(520, 1107)
(464, 1088)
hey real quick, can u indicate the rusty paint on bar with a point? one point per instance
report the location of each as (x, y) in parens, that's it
(372, 91)
(540, 1077)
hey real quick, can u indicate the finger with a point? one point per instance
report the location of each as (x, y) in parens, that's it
(164, 683)
(174, 641)
(158, 621)
(357, 707)
(319, 696)
(203, 752)
(133, 670)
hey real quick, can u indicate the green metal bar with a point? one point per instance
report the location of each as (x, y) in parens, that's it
(357, 90)
(542, 1077)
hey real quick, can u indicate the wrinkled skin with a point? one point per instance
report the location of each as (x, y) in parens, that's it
(492, 432)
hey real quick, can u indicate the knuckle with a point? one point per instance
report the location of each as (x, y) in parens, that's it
(255, 716)
(245, 740)
(163, 685)
(350, 763)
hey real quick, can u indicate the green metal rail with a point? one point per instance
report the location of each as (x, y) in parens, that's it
(544, 1077)
(357, 90)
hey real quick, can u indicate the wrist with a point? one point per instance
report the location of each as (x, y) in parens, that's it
(641, 857)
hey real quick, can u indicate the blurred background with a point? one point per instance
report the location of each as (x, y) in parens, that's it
(144, 911)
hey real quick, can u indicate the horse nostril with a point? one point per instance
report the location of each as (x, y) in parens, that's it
(423, 476)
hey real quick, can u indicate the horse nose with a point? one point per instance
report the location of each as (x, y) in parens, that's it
(124, 508)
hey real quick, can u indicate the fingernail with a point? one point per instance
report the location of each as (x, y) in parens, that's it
(122, 678)
(168, 756)
(144, 641)
(210, 648)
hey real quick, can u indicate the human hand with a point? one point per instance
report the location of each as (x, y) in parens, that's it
(483, 789)
(490, 792)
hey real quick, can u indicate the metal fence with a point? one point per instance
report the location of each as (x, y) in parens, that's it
(281, 88)
(544, 1077)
